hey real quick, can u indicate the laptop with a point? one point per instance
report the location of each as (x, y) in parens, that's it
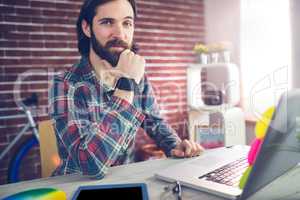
(218, 171)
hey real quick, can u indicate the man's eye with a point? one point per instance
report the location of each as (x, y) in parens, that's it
(128, 23)
(106, 22)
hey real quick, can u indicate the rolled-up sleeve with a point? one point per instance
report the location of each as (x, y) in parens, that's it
(154, 125)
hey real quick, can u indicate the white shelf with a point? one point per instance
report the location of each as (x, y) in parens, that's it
(217, 108)
(211, 65)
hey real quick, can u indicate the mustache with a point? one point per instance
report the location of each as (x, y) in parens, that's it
(117, 42)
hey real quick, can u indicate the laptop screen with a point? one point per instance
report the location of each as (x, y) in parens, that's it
(280, 150)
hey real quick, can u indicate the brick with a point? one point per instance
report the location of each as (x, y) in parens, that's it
(3, 180)
(170, 28)
(9, 61)
(54, 53)
(55, 5)
(49, 37)
(3, 174)
(167, 15)
(25, 44)
(72, 45)
(158, 48)
(59, 29)
(198, 3)
(2, 18)
(13, 77)
(4, 161)
(58, 13)
(17, 19)
(182, 60)
(186, 54)
(16, 36)
(7, 130)
(42, 4)
(8, 44)
(7, 9)
(17, 53)
(53, 20)
(7, 27)
(8, 104)
(56, 45)
(168, 34)
(160, 40)
(44, 118)
(28, 28)
(10, 122)
(39, 86)
(37, 61)
(168, 7)
(170, 100)
(3, 138)
(16, 2)
(28, 84)
(171, 20)
(29, 12)
(68, 6)
(16, 70)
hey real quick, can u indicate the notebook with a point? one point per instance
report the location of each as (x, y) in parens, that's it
(218, 171)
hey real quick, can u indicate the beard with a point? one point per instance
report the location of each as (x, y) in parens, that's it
(104, 52)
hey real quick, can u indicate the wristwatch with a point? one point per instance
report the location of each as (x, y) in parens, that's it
(126, 84)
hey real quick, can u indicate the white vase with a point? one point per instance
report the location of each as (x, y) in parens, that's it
(215, 57)
(203, 58)
(226, 56)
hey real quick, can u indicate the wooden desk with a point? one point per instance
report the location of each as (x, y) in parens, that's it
(133, 173)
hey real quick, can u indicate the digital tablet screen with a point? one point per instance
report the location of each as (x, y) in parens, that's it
(120, 191)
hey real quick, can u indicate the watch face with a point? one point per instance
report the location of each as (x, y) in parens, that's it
(125, 84)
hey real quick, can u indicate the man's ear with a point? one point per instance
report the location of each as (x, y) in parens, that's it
(86, 28)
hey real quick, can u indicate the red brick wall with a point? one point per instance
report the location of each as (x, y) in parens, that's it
(38, 39)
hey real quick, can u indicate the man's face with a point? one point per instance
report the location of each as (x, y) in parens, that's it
(112, 30)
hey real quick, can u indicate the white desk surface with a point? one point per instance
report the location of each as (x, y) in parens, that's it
(133, 173)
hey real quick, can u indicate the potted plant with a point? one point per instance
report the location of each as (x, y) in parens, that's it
(201, 50)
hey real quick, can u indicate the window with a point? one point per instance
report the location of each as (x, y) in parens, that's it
(265, 52)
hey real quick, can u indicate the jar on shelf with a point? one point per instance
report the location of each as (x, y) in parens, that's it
(214, 57)
(203, 58)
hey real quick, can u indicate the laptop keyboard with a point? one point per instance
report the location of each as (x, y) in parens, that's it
(229, 174)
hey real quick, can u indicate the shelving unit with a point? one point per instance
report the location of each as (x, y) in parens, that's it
(226, 121)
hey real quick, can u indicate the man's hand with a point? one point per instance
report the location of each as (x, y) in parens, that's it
(131, 65)
(187, 148)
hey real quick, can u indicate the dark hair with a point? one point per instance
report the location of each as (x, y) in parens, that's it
(87, 13)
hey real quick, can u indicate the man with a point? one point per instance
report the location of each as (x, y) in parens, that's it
(101, 102)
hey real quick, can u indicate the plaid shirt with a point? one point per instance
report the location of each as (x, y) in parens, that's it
(96, 130)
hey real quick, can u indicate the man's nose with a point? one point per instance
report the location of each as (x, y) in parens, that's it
(118, 32)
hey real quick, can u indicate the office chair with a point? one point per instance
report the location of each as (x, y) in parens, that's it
(48, 148)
